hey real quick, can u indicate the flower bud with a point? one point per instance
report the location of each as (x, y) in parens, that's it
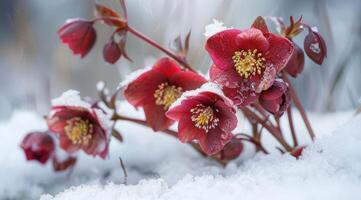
(296, 63)
(38, 146)
(111, 52)
(79, 35)
(276, 99)
(232, 150)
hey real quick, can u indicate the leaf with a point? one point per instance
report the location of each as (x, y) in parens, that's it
(260, 23)
(116, 134)
(110, 17)
(315, 47)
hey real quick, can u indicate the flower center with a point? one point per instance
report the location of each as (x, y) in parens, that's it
(78, 130)
(248, 62)
(204, 117)
(166, 94)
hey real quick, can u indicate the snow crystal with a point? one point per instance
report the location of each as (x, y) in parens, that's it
(134, 75)
(100, 86)
(315, 48)
(214, 28)
(70, 98)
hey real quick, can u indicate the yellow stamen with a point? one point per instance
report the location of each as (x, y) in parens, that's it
(204, 117)
(78, 130)
(248, 62)
(166, 94)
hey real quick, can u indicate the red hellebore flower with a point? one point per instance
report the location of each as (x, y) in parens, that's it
(276, 99)
(206, 117)
(38, 146)
(247, 61)
(156, 89)
(79, 128)
(79, 34)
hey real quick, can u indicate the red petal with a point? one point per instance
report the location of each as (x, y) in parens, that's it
(315, 47)
(221, 47)
(241, 96)
(226, 115)
(279, 52)
(228, 78)
(167, 67)
(260, 23)
(187, 131)
(252, 39)
(187, 80)
(111, 52)
(140, 90)
(155, 116)
(214, 141)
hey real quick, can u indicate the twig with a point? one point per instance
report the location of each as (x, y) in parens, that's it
(125, 181)
(299, 106)
(292, 127)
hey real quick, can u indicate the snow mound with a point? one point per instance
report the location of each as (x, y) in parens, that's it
(329, 169)
(70, 98)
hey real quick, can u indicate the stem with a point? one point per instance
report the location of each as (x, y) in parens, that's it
(274, 131)
(292, 127)
(158, 46)
(299, 106)
(171, 133)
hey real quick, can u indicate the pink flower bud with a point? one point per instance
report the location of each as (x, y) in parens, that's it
(296, 63)
(276, 99)
(38, 146)
(111, 52)
(79, 34)
(315, 47)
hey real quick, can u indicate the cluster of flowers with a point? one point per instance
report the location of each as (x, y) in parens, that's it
(249, 69)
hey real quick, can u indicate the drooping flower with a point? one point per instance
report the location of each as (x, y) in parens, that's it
(296, 63)
(207, 118)
(276, 99)
(80, 127)
(38, 146)
(79, 35)
(156, 89)
(247, 60)
(232, 150)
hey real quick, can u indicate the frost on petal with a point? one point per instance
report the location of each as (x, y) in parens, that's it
(214, 28)
(268, 77)
(70, 98)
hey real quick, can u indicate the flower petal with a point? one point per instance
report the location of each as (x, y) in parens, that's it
(140, 90)
(187, 130)
(187, 80)
(221, 47)
(228, 78)
(241, 96)
(167, 67)
(155, 116)
(214, 141)
(279, 52)
(226, 114)
(252, 38)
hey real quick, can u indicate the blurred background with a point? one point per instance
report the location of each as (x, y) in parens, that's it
(35, 67)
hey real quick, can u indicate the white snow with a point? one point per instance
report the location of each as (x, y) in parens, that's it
(70, 98)
(214, 28)
(160, 167)
(134, 75)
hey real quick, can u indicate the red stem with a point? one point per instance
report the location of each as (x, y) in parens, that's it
(299, 106)
(274, 131)
(158, 46)
(292, 127)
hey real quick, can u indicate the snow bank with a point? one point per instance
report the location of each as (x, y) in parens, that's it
(330, 169)
(160, 167)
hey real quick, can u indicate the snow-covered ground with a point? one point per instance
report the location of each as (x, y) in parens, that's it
(160, 167)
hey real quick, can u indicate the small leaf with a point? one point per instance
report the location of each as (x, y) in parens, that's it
(315, 46)
(111, 17)
(260, 24)
(186, 42)
(294, 29)
(116, 134)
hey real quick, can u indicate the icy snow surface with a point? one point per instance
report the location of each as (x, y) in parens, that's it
(160, 167)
